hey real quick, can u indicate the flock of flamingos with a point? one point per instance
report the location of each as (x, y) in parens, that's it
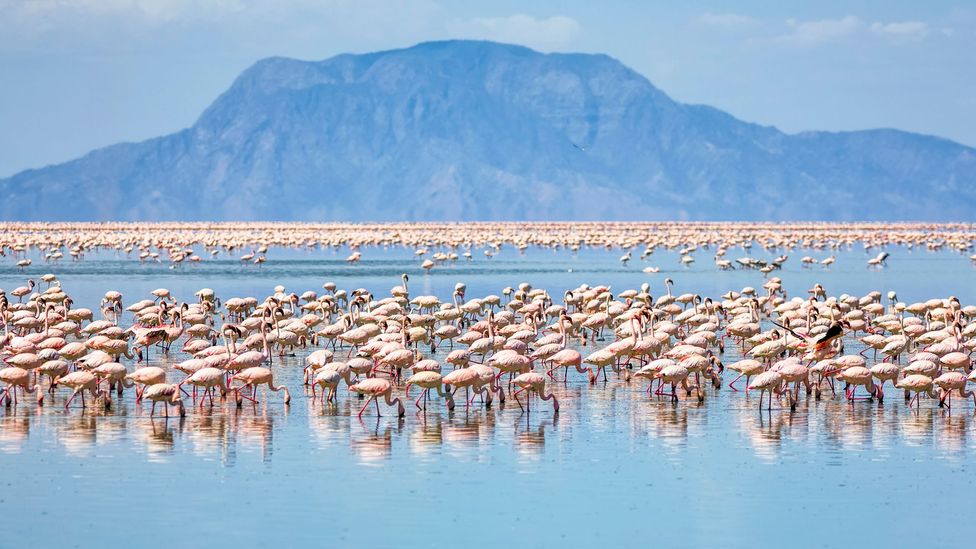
(512, 346)
(436, 243)
(515, 345)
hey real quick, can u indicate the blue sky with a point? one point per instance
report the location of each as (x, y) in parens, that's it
(81, 74)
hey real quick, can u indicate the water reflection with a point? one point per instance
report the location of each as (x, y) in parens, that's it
(14, 432)
(209, 434)
(373, 443)
(613, 410)
(427, 436)
(158, 436)
(255, 432)
(77, 434)
(530, 436)
(951, 438)
(466, 433)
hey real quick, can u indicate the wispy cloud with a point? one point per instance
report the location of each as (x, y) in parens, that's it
(161, 11)
(820, 31)
(727, 21)
(902, 29)
(259, 27)
(554, 32)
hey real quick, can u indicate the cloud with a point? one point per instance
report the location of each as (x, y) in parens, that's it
(258, 27)
(808, 33)
(821, 31)
(903, 29)
(64, 13)
(727, 21)
(545, 34)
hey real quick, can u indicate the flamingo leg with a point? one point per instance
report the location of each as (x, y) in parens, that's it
(252, 395)
(363, 409)
(72, 397)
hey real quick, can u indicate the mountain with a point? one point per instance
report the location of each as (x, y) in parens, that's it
(466, 130)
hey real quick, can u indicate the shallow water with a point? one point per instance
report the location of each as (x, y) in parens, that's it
(613, 467)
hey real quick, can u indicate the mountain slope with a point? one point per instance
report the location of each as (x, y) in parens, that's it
(477, 130)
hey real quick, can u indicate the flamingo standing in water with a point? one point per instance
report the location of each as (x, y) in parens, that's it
(20, 291)
(328, 379)
(949, 382)
(533, 382)
(428, 381)
(15, 377)
(80, 381)
(146, 376)
(918, 384)
(255, 376)
(208, 379)
(378, 387)
(767, 382)
(167, 394)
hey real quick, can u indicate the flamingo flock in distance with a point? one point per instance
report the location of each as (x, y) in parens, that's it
(515, 347)
(191, 243)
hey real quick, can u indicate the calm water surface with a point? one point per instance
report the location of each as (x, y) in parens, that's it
(615, 467)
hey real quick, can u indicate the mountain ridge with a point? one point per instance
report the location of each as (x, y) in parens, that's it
(471, 130)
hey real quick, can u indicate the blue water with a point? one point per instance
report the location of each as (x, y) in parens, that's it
(615, 467)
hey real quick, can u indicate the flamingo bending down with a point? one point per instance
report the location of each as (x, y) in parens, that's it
(254, 376)
(428, 380)
(855, 376)
(146, 376)
(208, 379)
(533, 382)
(18, 377)
(918, 384)
(949, 382)
(80, 381)
(748, 368)
(167, 394)
(377, 387)
(569, 358)
(767, 382)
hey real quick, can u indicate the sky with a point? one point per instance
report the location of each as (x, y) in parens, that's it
(83, 74)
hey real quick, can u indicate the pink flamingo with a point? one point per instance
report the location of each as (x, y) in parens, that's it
(533, 382)
(376, 387)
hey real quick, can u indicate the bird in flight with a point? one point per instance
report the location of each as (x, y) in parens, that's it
(835, 331)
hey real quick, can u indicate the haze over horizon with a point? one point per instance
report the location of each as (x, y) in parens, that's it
(82, 74)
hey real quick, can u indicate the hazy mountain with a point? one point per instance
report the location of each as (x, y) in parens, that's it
(465, 130)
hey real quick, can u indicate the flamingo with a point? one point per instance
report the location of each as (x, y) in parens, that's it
(253, 377)
(15, 377)
(428, 381)
(768, 381)
(167, 394)
(533, 382)
(377, 387)
(80, 381)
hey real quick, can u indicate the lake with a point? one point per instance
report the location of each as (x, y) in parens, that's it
(614, 467)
